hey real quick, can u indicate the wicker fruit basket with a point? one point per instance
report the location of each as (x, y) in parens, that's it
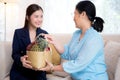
(37, 59)
(56, 60)
(38, 52)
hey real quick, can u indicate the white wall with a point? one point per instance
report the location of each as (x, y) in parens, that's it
(58, 16)
(1, 22)
(109, 10)
(14, 15)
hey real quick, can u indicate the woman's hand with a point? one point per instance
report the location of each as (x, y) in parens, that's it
(25, 62)
(49, 67)
(53, 41)
(49, 38)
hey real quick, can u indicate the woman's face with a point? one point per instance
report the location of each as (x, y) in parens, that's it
(36, 19)
(77, 19)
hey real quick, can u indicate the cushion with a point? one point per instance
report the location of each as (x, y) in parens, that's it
(112, 52)
(60, 74)
(5, 59)
(7, 78)
(105, 42)
(54, 77)
(117, 74)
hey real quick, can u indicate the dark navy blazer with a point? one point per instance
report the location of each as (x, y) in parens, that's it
(20, 41)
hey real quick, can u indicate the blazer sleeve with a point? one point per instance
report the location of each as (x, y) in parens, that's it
(16, 49)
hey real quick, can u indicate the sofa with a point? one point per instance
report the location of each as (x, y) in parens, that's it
(111, 50)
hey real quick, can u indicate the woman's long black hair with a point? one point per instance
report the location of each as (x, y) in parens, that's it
(89, 8)
(29, 11)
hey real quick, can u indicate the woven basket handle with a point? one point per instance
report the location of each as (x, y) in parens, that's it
(40, 35)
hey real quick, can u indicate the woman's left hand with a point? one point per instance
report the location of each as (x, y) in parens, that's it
(49, 67)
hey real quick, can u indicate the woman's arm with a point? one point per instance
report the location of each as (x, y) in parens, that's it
(55, 42)
(16, 49)
(88, 53)
(51, 67)
(16, 53)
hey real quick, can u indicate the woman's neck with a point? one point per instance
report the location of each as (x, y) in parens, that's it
(84, 29)
(86, 25)
(31, 28)
(32, 33)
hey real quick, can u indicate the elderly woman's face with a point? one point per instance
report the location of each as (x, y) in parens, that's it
(77, 18)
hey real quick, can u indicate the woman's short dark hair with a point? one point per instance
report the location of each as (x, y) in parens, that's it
(89, 8)
(29, 11)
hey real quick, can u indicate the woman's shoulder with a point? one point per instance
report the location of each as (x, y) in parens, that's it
(77, 32)
(94, 36)
(19, 29)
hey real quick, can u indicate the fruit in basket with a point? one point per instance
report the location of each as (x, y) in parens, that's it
(30, 46)
(38, 52)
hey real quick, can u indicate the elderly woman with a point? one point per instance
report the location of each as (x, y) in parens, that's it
(84, 53)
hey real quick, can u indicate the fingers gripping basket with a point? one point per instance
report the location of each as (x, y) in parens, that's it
(38, 52)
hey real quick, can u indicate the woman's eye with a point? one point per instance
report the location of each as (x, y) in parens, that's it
(41, 16)
(36, 16)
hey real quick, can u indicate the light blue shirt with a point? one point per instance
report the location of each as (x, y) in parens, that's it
(85, 57)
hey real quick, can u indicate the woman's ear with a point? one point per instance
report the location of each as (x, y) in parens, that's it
(83, 13)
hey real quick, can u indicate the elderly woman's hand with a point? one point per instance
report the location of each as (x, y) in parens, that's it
(51, 39)
(49, 67)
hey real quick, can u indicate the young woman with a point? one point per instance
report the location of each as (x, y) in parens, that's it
(84, 53)
(21, 68)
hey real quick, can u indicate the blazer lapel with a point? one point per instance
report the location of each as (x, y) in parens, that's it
(25, 37)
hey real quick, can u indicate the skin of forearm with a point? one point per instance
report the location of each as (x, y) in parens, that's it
(59, 48)
(58, 68)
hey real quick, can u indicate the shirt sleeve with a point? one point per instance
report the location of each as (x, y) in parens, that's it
(86, 55)
(65, 54)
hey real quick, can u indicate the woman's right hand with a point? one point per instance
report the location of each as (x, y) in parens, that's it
(25, 62)
(49, 38)
(53, 41)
